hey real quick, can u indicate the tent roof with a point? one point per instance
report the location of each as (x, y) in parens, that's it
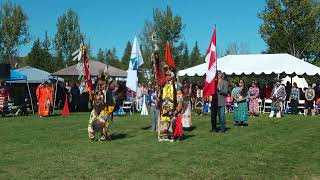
(256, 64)
(35, 75)
(16, 76)
(95, 68)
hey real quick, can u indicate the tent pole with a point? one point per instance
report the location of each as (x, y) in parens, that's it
(30, 97)
(55, 95)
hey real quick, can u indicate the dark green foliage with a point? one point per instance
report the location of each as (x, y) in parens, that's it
(100, 56)
(68, 36)
(168, 27)
(195, 56)
(112, 59)
(126, 56)
(14, 31)
(292, 26)
(40, 57)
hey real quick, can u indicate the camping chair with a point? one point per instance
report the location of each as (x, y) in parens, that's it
(127, 105)
(267, 105)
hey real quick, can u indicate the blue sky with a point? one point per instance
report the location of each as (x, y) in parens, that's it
(111, 23)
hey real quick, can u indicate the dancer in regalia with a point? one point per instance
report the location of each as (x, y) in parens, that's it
(278, 97)
(45, 99)
(167, 108)
(101, 113)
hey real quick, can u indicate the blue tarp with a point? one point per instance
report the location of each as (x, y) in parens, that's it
(16, 76)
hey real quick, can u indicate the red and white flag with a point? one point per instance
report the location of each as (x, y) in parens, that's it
(211, 57)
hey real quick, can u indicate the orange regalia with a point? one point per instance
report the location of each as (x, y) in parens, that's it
(45, 99)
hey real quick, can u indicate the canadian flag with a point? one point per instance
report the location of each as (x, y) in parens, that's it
(211, 57)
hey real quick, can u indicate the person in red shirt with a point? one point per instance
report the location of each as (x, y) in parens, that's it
(4, 98)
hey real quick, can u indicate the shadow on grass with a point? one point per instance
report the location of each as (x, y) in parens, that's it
(146, 128)
(190, 128)
(54, 115)
(184, 137)
(118, 136)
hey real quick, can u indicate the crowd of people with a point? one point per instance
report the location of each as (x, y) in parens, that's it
(176, 102)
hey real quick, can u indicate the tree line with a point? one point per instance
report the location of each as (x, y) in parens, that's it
(287, 27)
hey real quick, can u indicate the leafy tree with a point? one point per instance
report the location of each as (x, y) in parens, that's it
(40, 57)
(46, 44)
(291, 27)
(58, 62)
(13, 30)
(126, 56)
(168, 27)
(100, 56)
(68, 36)
(237, 48)
(195, 56)
(183, 61)
(112, 59)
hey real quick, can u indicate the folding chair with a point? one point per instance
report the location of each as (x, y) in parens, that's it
(301, 106)
(260, 105)
(287, 108)
(127, 105)
(267, 105)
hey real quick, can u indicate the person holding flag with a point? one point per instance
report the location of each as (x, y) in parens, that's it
(215, 86)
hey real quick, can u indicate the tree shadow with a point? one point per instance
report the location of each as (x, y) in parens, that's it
(190, 128)
(117, 136)
(146, 128)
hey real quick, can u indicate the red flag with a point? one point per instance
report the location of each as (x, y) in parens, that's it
(168, 59)
(86, 71)
(211, 56)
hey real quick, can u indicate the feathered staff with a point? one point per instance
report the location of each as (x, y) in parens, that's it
(81, 55)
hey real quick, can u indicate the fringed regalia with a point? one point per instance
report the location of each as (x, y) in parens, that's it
(167, 111)
(101, 113)
(278, 96)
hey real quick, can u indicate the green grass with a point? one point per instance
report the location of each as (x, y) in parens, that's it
(58, 148)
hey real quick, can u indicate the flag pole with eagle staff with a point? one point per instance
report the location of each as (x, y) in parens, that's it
(81, 55)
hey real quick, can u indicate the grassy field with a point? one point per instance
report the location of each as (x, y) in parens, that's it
(58, 148)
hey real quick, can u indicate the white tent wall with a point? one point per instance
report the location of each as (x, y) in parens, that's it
(301, 82)
(256, 64)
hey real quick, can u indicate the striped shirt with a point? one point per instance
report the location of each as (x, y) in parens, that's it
(295, 94)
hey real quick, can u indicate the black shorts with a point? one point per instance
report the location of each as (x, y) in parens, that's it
(309, 104)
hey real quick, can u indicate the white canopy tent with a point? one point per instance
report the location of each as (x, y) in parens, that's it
(301, 82)
(256, 64)
(35, 75)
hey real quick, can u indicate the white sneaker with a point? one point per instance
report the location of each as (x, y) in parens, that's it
(271, 114)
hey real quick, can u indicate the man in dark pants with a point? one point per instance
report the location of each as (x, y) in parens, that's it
(218, 104)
